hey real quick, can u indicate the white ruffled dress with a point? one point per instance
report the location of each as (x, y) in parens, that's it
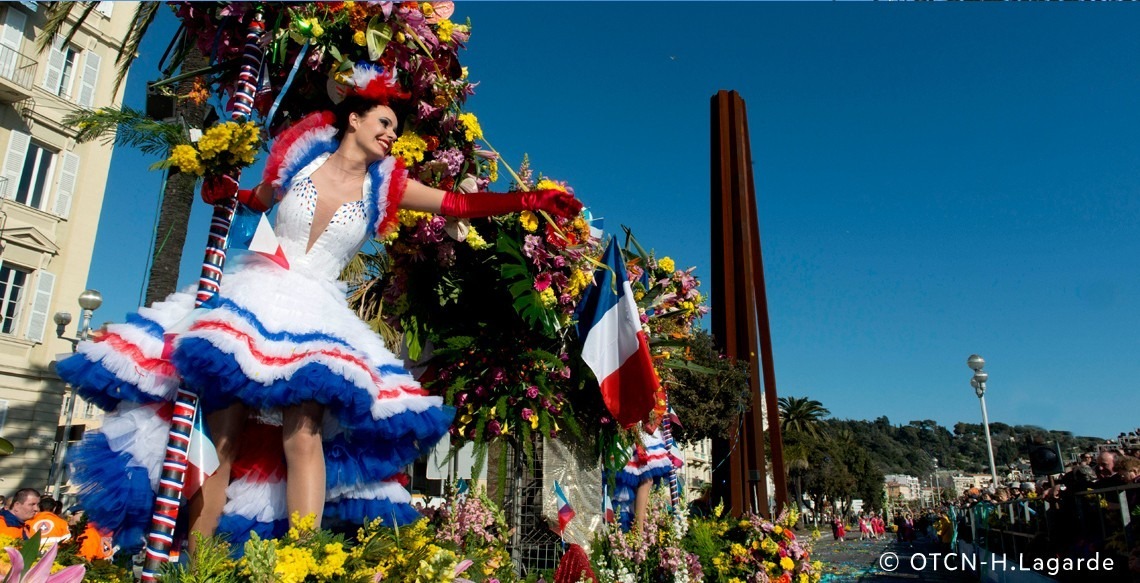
(273, 337)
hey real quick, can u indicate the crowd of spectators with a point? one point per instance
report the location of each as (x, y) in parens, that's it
(1081, 511)
(26, 513)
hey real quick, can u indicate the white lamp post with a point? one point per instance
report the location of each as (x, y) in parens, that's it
(976, 363)
(89, 301)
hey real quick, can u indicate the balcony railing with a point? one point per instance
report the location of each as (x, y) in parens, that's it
(17, 67)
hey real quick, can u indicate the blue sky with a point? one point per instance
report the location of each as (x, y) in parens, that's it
(933, 180)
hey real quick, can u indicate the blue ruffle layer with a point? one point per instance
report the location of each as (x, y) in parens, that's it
(237, 530)
(203, 365)
(630, 480)
(348, 463)
(98, 385)
(361, 511)
(116, 495)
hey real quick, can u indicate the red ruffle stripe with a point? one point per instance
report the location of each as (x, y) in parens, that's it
(131, 350)
(267, 360)
(396, 188)
(284, 141)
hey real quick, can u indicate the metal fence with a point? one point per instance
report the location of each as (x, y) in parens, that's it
(534, 546)
(1103, 522)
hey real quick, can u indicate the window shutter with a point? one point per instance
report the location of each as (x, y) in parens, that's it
(41, 305)
(53, 72)
(12, 37)
(14, 162)
(90, 78)
(68, 175)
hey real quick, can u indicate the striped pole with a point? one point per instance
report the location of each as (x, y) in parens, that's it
(667, 436)
(160, 536)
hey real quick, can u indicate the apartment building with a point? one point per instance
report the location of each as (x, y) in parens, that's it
(52, 192)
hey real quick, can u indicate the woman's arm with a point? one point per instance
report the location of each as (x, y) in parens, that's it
(420, 197)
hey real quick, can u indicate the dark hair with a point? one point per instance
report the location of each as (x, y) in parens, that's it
(48, 504)
(359, 105)
(23, 494)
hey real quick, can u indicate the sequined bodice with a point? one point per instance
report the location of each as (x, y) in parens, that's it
(335, 247)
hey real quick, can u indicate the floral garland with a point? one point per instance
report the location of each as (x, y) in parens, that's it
(489, 300)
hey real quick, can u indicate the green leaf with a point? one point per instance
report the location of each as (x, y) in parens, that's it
(412, 338)
(377, 35)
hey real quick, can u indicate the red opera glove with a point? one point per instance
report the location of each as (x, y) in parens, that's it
(485, 204)
(249, 199)
(219, 187)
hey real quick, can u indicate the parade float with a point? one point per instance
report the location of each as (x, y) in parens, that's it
(486, 308)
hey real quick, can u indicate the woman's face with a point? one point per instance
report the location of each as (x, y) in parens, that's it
(374, 131)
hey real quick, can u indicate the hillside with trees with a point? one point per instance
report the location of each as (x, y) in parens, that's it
(841, 460)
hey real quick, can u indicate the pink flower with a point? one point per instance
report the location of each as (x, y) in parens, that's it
(532, 392)
(527, 414)
(542, 281)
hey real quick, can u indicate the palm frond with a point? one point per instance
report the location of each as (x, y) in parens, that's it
(126, 127)
(57, 14)
(145, 13)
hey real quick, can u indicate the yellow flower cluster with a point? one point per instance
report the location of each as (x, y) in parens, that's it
(475, 240)
(222, 148)
(239, 140)
(579, 279)
(787, 563)
(409, 218)
(472, 130)
(446, 27)
(529, 221)
(186, 159)
(549, 300)
(358, 38)
(548, 184)
(493, 170)
(294, 565)
(410, 147)
(667, 264)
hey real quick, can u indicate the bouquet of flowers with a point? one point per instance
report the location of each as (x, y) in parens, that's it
(654, 552)
(752, 549)
(464, 542)
(223, 149)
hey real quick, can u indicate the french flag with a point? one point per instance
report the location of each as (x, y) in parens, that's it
(565, 511)
(201, 458)
(614, 345)
(251, 230)
(607, 505)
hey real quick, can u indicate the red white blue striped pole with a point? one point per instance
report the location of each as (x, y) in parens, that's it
(160, 535)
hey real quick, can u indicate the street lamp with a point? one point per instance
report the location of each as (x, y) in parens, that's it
(976, 363)
(89, 301)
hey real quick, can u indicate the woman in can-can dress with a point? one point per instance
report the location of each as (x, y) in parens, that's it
(309, 411)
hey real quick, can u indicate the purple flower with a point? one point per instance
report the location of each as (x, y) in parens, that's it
(558, 261)
(461, 399)
(526, 414)
(453, 157)
(532, 392)
(494, 428)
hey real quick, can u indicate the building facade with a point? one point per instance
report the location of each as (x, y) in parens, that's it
(52, 194)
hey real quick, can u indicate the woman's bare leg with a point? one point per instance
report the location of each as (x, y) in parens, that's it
(641, 503)
(206, 506)
(304, 460)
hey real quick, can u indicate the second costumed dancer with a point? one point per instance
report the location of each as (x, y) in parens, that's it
(310, 412)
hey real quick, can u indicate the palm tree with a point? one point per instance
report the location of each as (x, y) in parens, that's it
(801, 416)
(178, 192)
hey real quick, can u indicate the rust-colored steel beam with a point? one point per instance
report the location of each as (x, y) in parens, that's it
(740, 321)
